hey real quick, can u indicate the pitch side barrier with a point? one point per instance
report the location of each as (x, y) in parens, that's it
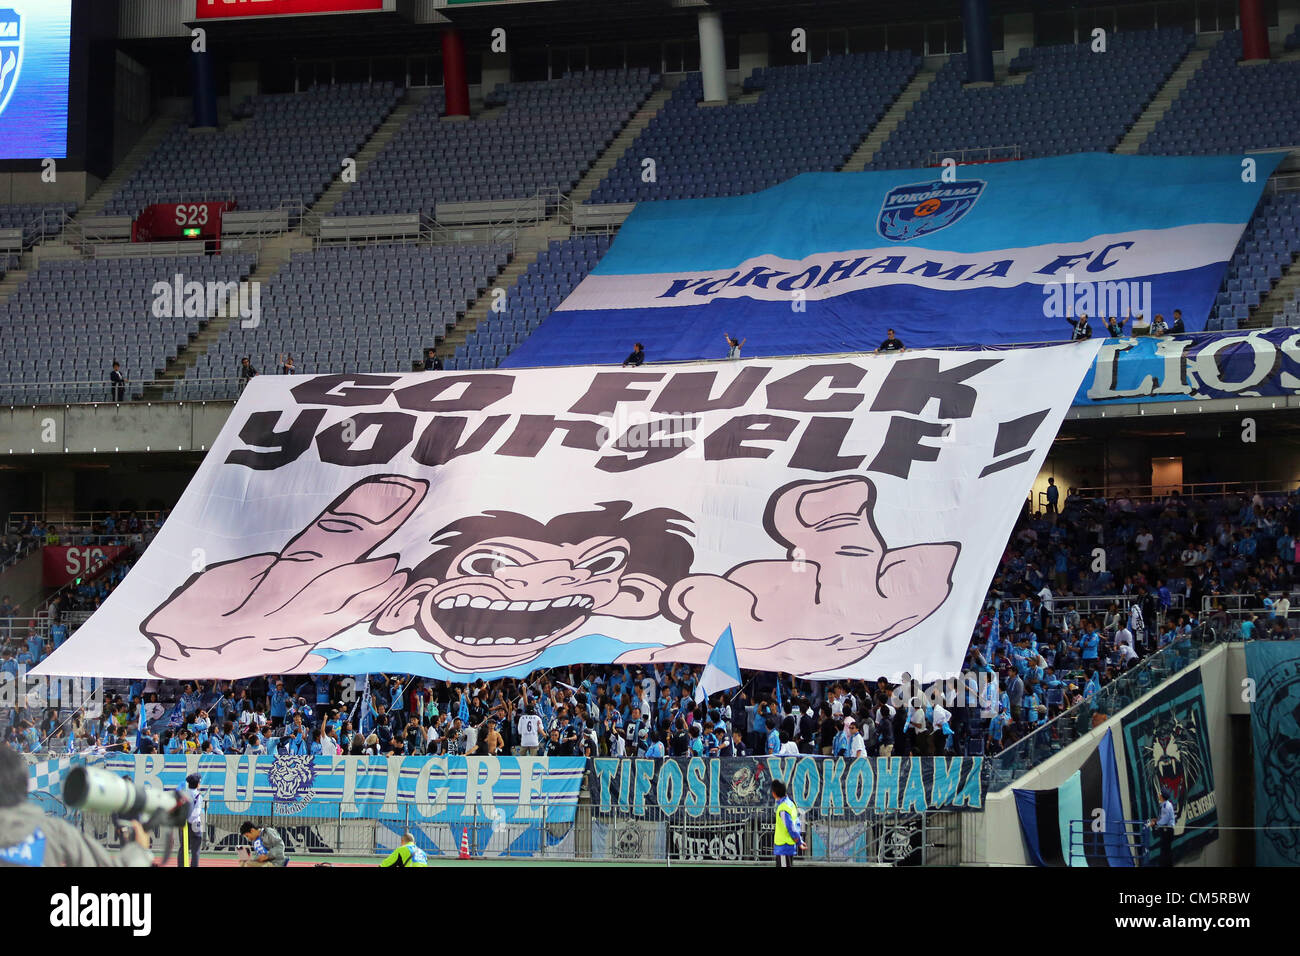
(865, 810)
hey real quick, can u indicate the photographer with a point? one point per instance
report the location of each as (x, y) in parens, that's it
(266, 848)
(28, 837)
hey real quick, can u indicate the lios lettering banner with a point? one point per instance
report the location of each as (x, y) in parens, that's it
(828, 262)
(1171, 368)
(735, 786)
(417, 789)
(63, 564)
(840, 517)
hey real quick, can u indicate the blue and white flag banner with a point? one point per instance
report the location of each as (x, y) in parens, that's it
(828, 262)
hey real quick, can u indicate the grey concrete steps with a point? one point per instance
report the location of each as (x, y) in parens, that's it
(893, 117)
(1160, 103)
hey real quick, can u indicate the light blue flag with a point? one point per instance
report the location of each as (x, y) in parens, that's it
(463, 711)
(722, 670)
(995, 632)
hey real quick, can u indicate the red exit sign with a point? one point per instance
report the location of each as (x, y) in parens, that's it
(224, 9)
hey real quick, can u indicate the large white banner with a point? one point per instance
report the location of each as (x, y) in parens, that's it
(843, 516)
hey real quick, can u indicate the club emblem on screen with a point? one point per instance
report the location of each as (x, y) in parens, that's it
(919, 209)
(11, 53)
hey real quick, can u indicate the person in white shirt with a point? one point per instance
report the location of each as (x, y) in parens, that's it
(195, 822)
(1282, 606)
(857, 746)
(1126, 654)
(1045, 595)
(1124, 636)
(530, 732)
(1135, 618)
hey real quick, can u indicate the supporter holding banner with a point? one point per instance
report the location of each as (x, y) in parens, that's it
(841, 517)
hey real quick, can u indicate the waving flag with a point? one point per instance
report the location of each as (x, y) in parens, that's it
(1058, 823)
(722, 671)
(995, 634)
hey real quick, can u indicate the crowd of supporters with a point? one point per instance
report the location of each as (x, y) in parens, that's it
(1038, 650)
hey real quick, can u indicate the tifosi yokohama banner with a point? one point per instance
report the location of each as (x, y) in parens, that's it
(736, 786)
(827, 262)
(841, 516)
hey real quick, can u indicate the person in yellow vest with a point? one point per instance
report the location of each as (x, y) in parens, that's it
(788, 839)
(408, 854)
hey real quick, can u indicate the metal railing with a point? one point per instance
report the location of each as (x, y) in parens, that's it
(1154, 494)
(1059, 732)
(102, 393)
(1087, 846)
(976, 154)
(1241, 603)
(76, 520)
(1092, 605)
(50, 222)
(575, 833)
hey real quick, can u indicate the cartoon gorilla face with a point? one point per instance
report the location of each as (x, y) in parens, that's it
(502, 586)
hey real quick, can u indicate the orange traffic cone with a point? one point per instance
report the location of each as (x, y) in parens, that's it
(464, 844)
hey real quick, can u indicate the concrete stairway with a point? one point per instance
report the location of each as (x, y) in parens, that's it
(600, 169)
(895, 115)
(531, 241)
(275, 253)
(390, 127)
(528, 246)
(12, 280)
(1277, 298)
(1159, 105)
(161, 126)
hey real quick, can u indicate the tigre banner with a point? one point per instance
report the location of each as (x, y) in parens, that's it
(416, 789)
(842, 516)
(735, 786)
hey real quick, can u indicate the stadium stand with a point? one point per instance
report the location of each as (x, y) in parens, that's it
(72, 318)
(358, 307)
(287, 150)
(1062, 633)
(1228, 107)
(1071, 100)
(805, 118)
(1266, 251)
(545, 284)
(535, 137)
(37, 220)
